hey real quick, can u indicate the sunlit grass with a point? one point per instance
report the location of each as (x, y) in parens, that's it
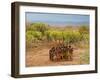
(85, 57)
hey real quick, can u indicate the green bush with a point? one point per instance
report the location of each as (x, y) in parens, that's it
(42, 31)
(33, 35)
(40, 27)
(71, 37)
(66, 36)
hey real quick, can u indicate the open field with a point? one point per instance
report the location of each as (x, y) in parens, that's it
(40, 57)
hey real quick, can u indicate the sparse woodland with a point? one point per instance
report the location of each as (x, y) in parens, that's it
(41, 37)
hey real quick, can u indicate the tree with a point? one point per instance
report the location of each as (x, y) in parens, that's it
(41, 27)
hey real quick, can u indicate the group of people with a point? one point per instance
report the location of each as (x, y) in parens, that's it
(61, 52)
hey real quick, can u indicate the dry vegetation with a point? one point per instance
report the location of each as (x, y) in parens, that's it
(40, 38)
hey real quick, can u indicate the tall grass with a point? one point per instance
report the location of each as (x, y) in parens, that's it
(84, 57)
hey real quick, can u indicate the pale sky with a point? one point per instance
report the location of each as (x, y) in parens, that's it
(56, 18)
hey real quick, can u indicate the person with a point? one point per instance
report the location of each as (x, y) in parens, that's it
(51, 53)
(70, 53)
(65, 52)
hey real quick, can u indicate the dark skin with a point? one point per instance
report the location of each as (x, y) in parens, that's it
(70, 57)
(61, 52)
(51, 53)
(66, 52)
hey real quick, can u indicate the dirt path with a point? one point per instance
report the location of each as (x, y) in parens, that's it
(41, 58)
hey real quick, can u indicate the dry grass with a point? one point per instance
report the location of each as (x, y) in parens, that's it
(39, 56)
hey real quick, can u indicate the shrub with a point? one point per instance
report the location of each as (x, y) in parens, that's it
(33, 36)
(84, 30)
(40, 27)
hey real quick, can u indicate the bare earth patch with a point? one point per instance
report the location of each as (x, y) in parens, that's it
(40, 57)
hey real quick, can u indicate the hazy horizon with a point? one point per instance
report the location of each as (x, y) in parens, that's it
(57, 19)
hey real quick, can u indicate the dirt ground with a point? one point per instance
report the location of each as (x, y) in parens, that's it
(40, 57)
